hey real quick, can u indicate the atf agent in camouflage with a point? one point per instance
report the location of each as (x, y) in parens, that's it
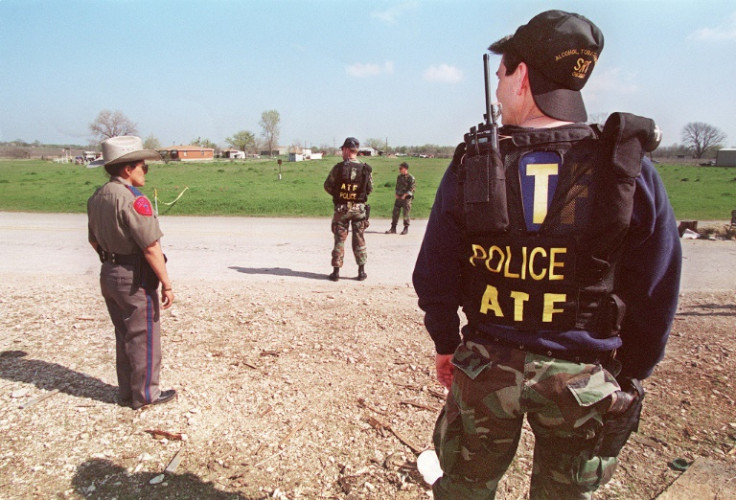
(349, 182)
(553, 313)
(405, 186)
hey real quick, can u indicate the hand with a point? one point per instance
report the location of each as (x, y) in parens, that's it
(621, 401)
(167, 297)
(445, 369)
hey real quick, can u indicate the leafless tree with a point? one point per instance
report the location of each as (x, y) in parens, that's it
(270, 121)
(701, 137)
(112, 124)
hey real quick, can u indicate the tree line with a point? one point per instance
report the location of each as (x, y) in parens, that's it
(115, 123)
(698, 139)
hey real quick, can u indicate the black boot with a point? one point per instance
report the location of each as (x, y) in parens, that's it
(392, 230)
(361, 272)
(406, 230)
(335, 274)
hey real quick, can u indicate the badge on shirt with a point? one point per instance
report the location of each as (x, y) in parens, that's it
(143, 206)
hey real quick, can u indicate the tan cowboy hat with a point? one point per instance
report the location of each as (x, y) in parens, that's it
(124, 149)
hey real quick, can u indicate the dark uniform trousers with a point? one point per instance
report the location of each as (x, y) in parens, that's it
(135, 314)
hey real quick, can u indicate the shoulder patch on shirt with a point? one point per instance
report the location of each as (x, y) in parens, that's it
(143, 206)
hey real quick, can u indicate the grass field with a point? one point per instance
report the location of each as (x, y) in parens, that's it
(253, 188)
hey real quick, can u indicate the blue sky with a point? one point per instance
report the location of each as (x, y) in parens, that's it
(406, 71)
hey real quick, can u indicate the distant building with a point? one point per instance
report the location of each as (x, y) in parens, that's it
(367, 151)
(188, 153)
(233, 154)
(726, 158)
(306, 154)
(279, 151)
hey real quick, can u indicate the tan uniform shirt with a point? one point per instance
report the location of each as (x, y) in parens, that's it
(121, 219)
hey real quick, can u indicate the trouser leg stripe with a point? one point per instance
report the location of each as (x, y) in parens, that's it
(149, 346)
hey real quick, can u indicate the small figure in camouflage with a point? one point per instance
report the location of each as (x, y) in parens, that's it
(405, 186)
(350, 182)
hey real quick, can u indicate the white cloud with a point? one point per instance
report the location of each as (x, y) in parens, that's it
(726, 31)
(443, 73)
(390, 15)
(364, 70)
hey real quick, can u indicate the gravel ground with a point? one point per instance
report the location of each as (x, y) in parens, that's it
(290, 386)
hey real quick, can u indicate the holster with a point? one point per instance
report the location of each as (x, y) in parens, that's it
(367, 211)
(609, 316)
(618, 427)
(144, 276)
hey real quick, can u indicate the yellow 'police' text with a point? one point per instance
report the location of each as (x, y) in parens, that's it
(520, 263)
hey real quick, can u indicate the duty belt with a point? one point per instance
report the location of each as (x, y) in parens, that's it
(590, 357)
(116, 258)
(349, 204)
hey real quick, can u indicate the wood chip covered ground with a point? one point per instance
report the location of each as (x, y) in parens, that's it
(312, 391)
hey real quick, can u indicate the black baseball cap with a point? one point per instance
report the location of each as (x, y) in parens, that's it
(561, 49)
(351, 143)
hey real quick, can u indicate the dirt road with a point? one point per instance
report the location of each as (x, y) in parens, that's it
(273, 250)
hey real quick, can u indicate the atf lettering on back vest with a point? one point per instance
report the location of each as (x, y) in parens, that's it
(524, 282)
(352, 183)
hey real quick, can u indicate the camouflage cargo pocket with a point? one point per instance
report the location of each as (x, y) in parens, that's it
(592, 385)
(447, 435)
(471, 359)
(590, 472)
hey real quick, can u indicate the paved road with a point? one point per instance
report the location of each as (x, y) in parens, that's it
(272, 249)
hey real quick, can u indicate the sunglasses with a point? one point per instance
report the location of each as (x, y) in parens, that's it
(145, 168)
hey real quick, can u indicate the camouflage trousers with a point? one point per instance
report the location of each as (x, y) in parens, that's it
(343, 218)
(478, 430)
(400, 204)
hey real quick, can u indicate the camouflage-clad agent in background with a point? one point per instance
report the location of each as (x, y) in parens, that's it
(560, 245)
(405, 186)
(350, 182)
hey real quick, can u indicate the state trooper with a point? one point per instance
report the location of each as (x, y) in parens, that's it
(561, 247)
(125, 233)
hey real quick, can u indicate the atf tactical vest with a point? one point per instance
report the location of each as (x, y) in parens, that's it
(544, 223)
(351, 183)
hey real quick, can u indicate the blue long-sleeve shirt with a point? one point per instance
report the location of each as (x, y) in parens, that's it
(647, 280)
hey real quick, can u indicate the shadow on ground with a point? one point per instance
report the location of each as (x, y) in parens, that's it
(279, 271)
(52, 376)
(98, 478)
